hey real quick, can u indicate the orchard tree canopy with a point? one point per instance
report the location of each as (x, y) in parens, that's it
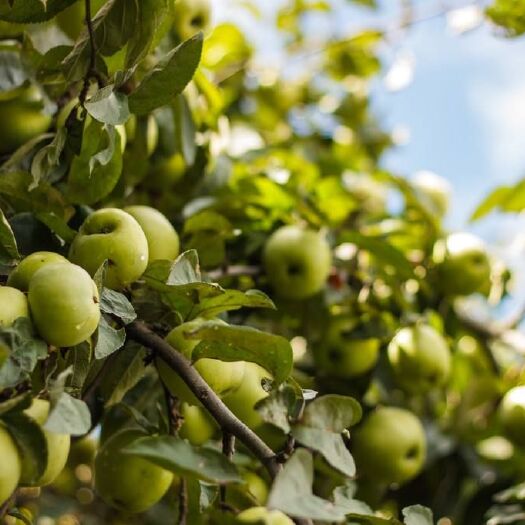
(210, 311)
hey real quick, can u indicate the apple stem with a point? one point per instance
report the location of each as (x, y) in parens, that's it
(230, 424)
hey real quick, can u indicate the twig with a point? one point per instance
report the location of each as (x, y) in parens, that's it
(139, 332)
(183, 502)
(228, 449)
(92, 71)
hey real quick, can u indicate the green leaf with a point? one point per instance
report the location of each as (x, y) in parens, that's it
(57, 225)
(12, 71)
(179, 456)
(244, 343)
(108, 106)
(344, 497)
(504, 198)
(329, 444)
(185, 269)
(168, 78)
(278, 407)
(31, 11)
(184, 130)
(68, 416)
(332, 412)
(46, 163)
(292, 493)
(417, 515)
(232, 300)
(31, 441)
(7, 237)
(109, 340)
(117, 304)
(79, 359)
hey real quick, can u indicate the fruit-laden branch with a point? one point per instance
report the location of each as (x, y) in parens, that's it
(139, 332)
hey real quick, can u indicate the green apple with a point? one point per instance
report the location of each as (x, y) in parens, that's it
(420, 358)
(462, 264)
(14, 305)
(389, 446)
(341, 355)
(297, 262)
(57, 447)
(10, 466)
(64, 304)
(146, 129)
(25, 117)
(242, 401)
(191, 16)
(253, 490)
(72, 20)
(511, 413)
(198, 427)
(113, 235)
(264, 515)
(166, 172)
(433, 191)
(221, 376)
(163, 241)
(21, 275)
(126, 482)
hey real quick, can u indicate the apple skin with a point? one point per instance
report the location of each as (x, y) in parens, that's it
(389, 446)
(14, 305)
(420, 358)
(254, 490)
(462, 264)
(115, 235)
(243, 400)
(433, 191)
(21, 275)
(64, 304)
(511, 412)
(297, 262)
(26, 119)
(339, 355)
(166, 172)
(71, 20)
(151, 132)
(263, 515)
(128, 483)
(198, 426)
(163, 241)
(222, 377)
(190, 17)
(10, 466)
(57, 447)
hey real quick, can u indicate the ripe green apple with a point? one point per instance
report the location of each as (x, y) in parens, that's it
(14, 305)
(263, 515)
(198, 427)
(462, 264)
(342, 356)
(10, 466)
(126, 482)
(221, 376)
(389, 446)
(72, 20)
(163, 241)
(25, 117)
(297, 262)
(253, 490)
(64, 304)
(114, 235)
(511, 413)
(191, 16)
(433, 191)
(21, 275)
(242, 401)
(57, 447)
(420, 358)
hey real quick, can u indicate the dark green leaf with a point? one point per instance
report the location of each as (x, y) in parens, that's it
(109, 339)
(117, 304)
(68, 416)
(7, 237)
(232, 300)
(31, 11)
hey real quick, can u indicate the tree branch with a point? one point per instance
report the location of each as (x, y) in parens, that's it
(139, 332)
(92, 71)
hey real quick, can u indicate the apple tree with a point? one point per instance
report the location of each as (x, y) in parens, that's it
(210, 311)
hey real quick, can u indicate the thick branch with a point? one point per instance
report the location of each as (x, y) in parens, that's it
(139, 332)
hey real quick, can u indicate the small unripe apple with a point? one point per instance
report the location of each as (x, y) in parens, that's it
(389, 446)
(21, 275)
(341, 355)
(297, 262)
(512, 415)
(264, 515)
(198, 427)
(163, 241)
(420, 358)
(10, 466)
(433, 191)
(128, 483)
(191, 16)
(57, 448)
(462, 264)
(13, 305)
(64, 304)
(113, 235)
